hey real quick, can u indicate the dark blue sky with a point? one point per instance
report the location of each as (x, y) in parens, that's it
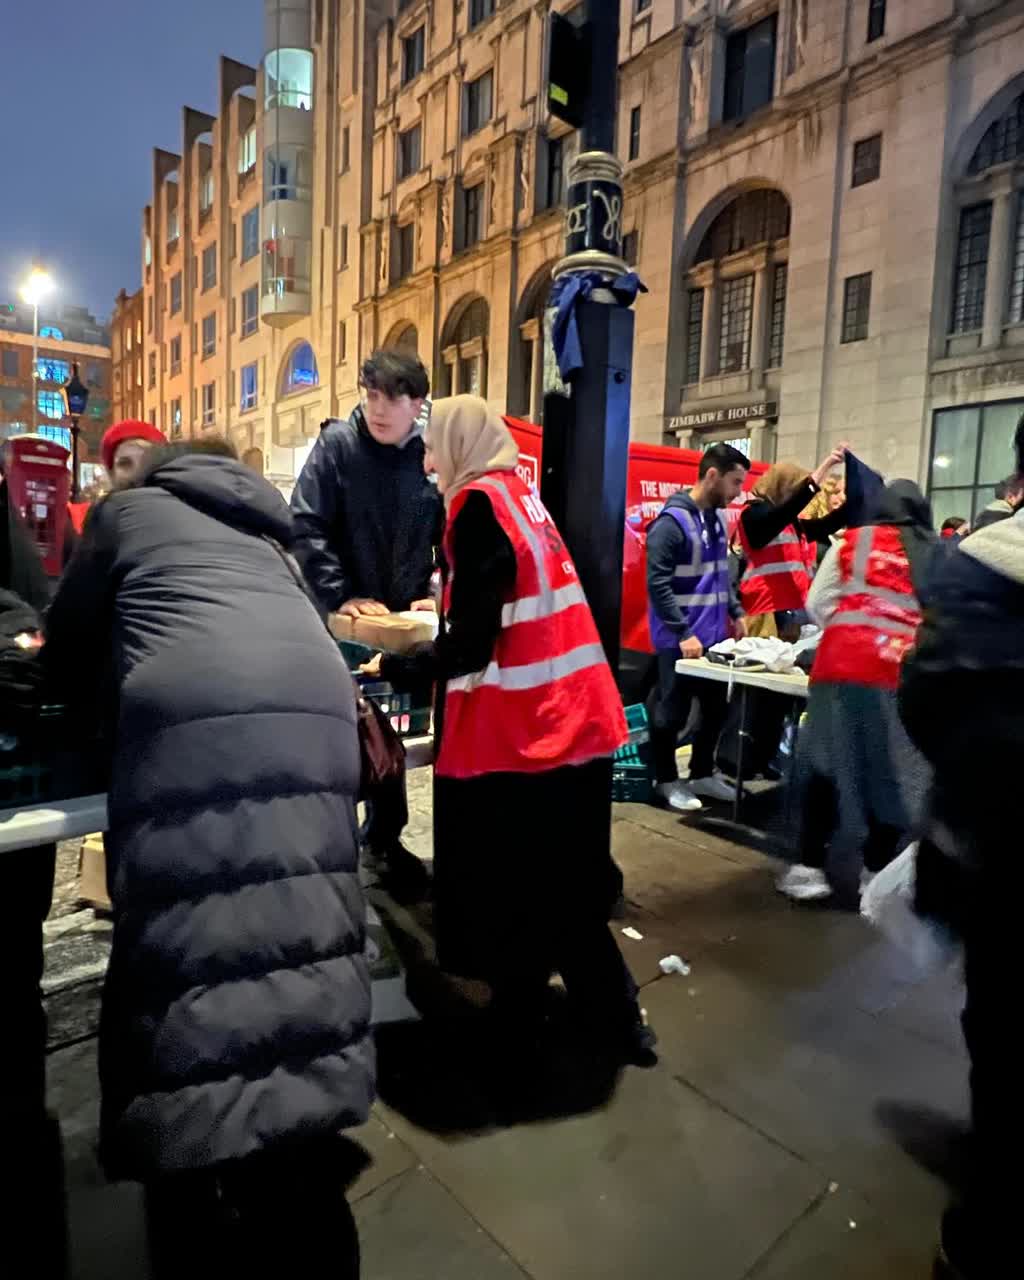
(88, 88)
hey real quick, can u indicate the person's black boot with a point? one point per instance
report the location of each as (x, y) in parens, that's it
(403, 875)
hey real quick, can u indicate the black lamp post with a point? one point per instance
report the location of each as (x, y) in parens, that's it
(76, 397)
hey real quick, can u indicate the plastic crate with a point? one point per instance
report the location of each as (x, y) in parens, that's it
(355, 654)
(406, 720)
(632, 781)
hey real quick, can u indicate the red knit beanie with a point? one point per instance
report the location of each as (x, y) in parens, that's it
(128, 430)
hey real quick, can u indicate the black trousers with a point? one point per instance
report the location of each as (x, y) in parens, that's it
(669, 710)
(28, 884)
(272, 1215)
(819, 817)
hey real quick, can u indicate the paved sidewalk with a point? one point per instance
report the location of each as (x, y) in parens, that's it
(806, 1110)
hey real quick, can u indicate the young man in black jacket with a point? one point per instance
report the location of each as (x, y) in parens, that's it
(367, 521)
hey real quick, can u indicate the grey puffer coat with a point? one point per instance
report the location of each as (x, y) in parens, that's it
(237, 1006)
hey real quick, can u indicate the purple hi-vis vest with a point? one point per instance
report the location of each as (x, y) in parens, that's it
(700, 583)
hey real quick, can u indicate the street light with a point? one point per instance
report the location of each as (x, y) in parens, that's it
(33, 291)
(76, 397)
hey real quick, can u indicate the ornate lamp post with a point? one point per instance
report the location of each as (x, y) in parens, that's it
(76, 398)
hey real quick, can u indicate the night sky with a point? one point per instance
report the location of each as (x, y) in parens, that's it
(87, 89)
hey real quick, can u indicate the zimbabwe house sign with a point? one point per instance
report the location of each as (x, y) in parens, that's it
(724, 416)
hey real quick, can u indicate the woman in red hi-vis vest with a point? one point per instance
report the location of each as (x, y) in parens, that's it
(527, 719)
(860, 780)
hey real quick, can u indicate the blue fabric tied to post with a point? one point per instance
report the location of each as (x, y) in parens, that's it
(566, 294)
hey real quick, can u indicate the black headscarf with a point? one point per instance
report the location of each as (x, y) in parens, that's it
(902, 504)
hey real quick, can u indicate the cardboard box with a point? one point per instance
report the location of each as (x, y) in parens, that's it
(92, 874)
(389, 633)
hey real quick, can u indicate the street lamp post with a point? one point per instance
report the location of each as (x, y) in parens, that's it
(35, 288)
(76, 398)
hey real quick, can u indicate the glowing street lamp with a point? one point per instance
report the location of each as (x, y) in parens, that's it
(33, 291)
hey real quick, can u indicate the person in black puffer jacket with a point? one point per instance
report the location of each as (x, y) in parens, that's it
(235, 1030)
(962, 701)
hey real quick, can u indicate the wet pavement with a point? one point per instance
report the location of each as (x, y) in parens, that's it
(805, 1119)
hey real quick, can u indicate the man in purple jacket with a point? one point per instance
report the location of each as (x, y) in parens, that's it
(692, 606)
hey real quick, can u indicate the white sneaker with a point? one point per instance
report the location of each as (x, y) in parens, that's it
(713, 787)
(804, 884)
(678, 796)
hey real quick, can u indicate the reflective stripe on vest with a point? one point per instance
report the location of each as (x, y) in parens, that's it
(547, 697)
(777, 576)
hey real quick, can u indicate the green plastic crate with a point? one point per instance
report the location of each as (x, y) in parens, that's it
(632, 780)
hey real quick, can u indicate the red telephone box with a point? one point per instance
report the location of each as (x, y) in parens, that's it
(40, 483)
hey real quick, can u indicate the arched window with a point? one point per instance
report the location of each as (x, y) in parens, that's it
(464, 349)
(988, 269)
(736, 289)
(534, 369)
(403, 337)
(300, 370)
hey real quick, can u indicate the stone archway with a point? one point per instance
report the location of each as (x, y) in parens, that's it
(464, 348)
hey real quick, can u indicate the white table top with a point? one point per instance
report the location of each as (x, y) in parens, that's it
(794, 683)
(31, 826)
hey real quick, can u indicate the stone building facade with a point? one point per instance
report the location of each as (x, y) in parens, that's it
(127, 358)
(823, 198)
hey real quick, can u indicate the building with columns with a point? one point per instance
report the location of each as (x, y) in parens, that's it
(823, 198)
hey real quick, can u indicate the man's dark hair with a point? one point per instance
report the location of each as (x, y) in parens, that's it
(953, 523)
(724, 458)
(211, 446)
(395, 373)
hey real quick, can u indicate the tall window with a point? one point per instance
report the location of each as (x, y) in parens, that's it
(554, 186)
(209, 267)
(288, 79)
(59, 435)
(867, 160)
(343, 247)
(175, 356)
(478, 11)
(734, 327)
(631, 248)
(289, 173)
(1017, 278)
(777, 329)
(634, 134)
(247, 151)
(10, 365)
(175, 293)
(51, 404)
(206, 192)
(972, 451)
(403, 251)
(152, 369)
(464, 350)
(172, 225)
(209, 334)
(248, 388)
(51, 370)
(409, 147)
(175, 417)
(856, 307)
(477, 101)
(876, 19)
(301, 371)
(250, 234)
(749, 69)
(342, 342)
(472, 216)
(971, 267)
(149, 314)
(413, 51)
(694, 333)
(250, 311)
(346, 149)
(209, 403)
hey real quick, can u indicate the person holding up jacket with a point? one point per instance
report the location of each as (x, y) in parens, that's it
(235, 1028)
(692, 606)
(527, 720)
(861, 783)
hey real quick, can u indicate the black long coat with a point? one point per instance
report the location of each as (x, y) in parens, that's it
(237, 1006)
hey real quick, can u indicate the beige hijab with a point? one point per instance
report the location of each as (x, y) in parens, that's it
(467, 439)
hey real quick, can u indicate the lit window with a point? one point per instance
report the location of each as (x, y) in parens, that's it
(51, 404)
(51, 331)
(749, 69)
(289, 79)
(148, 252)
(209, 267)
(413, 50)
(247, 151)
(300, 371)
(49, 370)
(206, 192)
(175, 299)
(250, 234)
(209, 334)
(289, 173)
(172, 225)
(250, 311)
(409, 148)
(477, 102)
(176, 417)
(972, 451)
(209, 403)
(249, 388)
(59, 435)
(856, 307)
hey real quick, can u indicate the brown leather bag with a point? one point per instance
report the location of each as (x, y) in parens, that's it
(381, 751)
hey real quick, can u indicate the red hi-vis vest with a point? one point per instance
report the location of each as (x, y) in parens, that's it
(547, 697)
(878, 614)
(777, 576)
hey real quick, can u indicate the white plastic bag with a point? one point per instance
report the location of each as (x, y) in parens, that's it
(888, 902)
